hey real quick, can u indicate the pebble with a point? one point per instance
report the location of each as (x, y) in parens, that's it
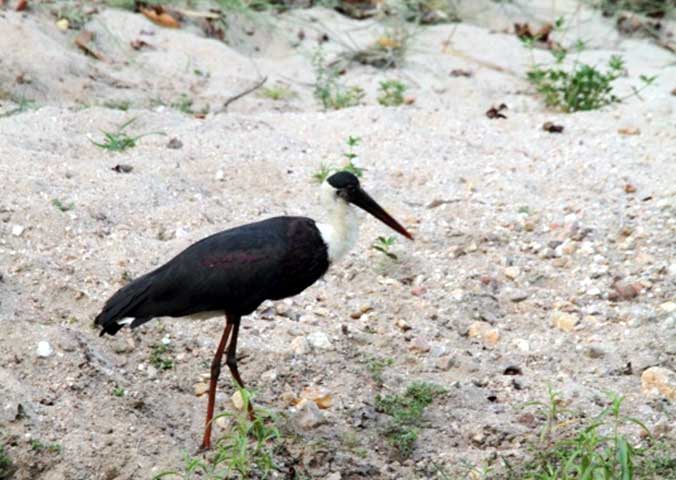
(419, 344)
(517, 296)
(220, 175)
(594, 351)
(300, 346)
(445, 363)
(403, 326)
(659, 381)
(309, 416)
(237, 400)
(17, 230)
(201, 388)
(319, 341)
(484, 331)
(44, 350)
(668, 307)
(564, 321)
(512, 272)
(319, 395)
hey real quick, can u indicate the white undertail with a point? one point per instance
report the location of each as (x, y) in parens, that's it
(341, 229)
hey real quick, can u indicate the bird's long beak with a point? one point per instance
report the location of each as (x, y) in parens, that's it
(364, 201)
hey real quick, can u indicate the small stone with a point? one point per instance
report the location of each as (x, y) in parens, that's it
(564, 321)
(624, 291)
(517, 296)
(334, 476)
(668, 307)
(594, 351)
(512, 272)
(484, 331)
(175, 144)
(309, 416)
(659, 381)
(300, 346)
(319, 395)
(62, 24)
(319, 341)
(17, 230)
(445, 363)
(419, 344)
(594, 292)
(403, 326)
(220, 175)
(237, 400)
(151, 371)
(201, 388)
(628, 131)
(44, 350)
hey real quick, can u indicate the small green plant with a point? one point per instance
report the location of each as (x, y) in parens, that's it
(578, 87)
(383, 244)
(118, 392)
(183, 104)
(650, 8)
(245, 451)
(570, 448)
(119, 140)
(64, 207)
(23, 105)
(117, 104)
(159, 357)
(325, 170)
(333, 94)
(38, 446)
(376, 367)
(406, 411)
(277, 92)
(6, 465)
(391, 93)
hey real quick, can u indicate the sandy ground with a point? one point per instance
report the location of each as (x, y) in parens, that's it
(515, 228)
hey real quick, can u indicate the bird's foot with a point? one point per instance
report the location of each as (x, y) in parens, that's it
(205, 447)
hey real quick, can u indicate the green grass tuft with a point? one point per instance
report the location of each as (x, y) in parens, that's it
(159, 357)
(406, 411)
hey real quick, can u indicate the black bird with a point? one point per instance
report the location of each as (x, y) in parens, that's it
(234, 271)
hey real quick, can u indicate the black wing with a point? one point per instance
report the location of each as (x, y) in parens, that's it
(234, 270)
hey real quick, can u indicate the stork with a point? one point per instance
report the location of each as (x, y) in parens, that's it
(234, 271)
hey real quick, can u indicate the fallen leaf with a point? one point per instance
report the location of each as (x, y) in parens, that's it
(409, 100)
(318, 395)
(523, 31)
(388, 42)
(83, 41)
(494, 112)
(629, 188)
(21, 5)
(629, 131)
(552, 127)
(159, 15)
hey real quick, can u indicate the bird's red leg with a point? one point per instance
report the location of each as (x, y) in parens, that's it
(231, 360)
(215, 372)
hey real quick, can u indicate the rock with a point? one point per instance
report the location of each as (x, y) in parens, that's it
(517, 296)
(175, 144)
(624, 291)
(484, 331)
(564, 321)
(309, 416)
(220, 175)
(334, 476)
(237, 400)
(668, 307)
(403, 326)
(151, 371)
(594, 351)
(659, 381)
(319, 341)
(300, 346)
(319, 395)
(512, 272)
(445, 363)
(419, 344)
(17, 230)
(201, 388)
(44, 349)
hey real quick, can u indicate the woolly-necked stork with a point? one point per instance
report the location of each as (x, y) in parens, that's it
(234, 271)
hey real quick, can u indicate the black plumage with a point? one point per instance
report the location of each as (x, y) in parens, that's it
(232, 271)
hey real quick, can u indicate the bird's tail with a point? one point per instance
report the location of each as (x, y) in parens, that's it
(124, 304)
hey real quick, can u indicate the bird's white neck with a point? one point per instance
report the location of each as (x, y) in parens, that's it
(341, 229)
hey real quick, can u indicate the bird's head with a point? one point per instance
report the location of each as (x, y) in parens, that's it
(345, 187)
